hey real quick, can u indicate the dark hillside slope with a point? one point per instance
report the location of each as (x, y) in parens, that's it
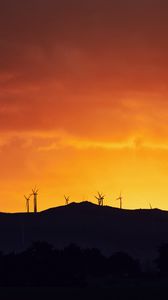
(138, 232)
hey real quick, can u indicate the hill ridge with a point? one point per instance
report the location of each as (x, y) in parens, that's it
(137, 232)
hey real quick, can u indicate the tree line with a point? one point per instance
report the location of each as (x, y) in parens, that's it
(43, 265)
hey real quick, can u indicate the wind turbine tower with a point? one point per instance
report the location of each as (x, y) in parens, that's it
(120, 198)
(27, 203)
(35, 194)
(100, 199)
(66, 200)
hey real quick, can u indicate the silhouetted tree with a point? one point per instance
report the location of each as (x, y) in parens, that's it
(42, 265)
(122, 264)
(72, 262)
(37, 263)
(162, 260)
(95, 262)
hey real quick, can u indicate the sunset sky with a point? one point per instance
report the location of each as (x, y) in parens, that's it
(84, 101)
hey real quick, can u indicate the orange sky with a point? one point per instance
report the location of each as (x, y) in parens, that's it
(83, 101)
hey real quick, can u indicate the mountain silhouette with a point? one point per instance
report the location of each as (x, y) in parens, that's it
(137, 232)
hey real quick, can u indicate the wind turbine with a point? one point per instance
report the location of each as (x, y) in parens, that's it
(35, 193)
(27, 203)
(120, 199)
(100, 198)
(150, 206)
(66, 200)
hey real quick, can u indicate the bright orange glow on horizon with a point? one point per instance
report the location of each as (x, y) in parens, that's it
(83, 102)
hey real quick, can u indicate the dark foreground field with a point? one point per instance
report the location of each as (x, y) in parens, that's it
(119, 291)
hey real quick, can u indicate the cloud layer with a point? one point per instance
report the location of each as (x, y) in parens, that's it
(91, 58)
